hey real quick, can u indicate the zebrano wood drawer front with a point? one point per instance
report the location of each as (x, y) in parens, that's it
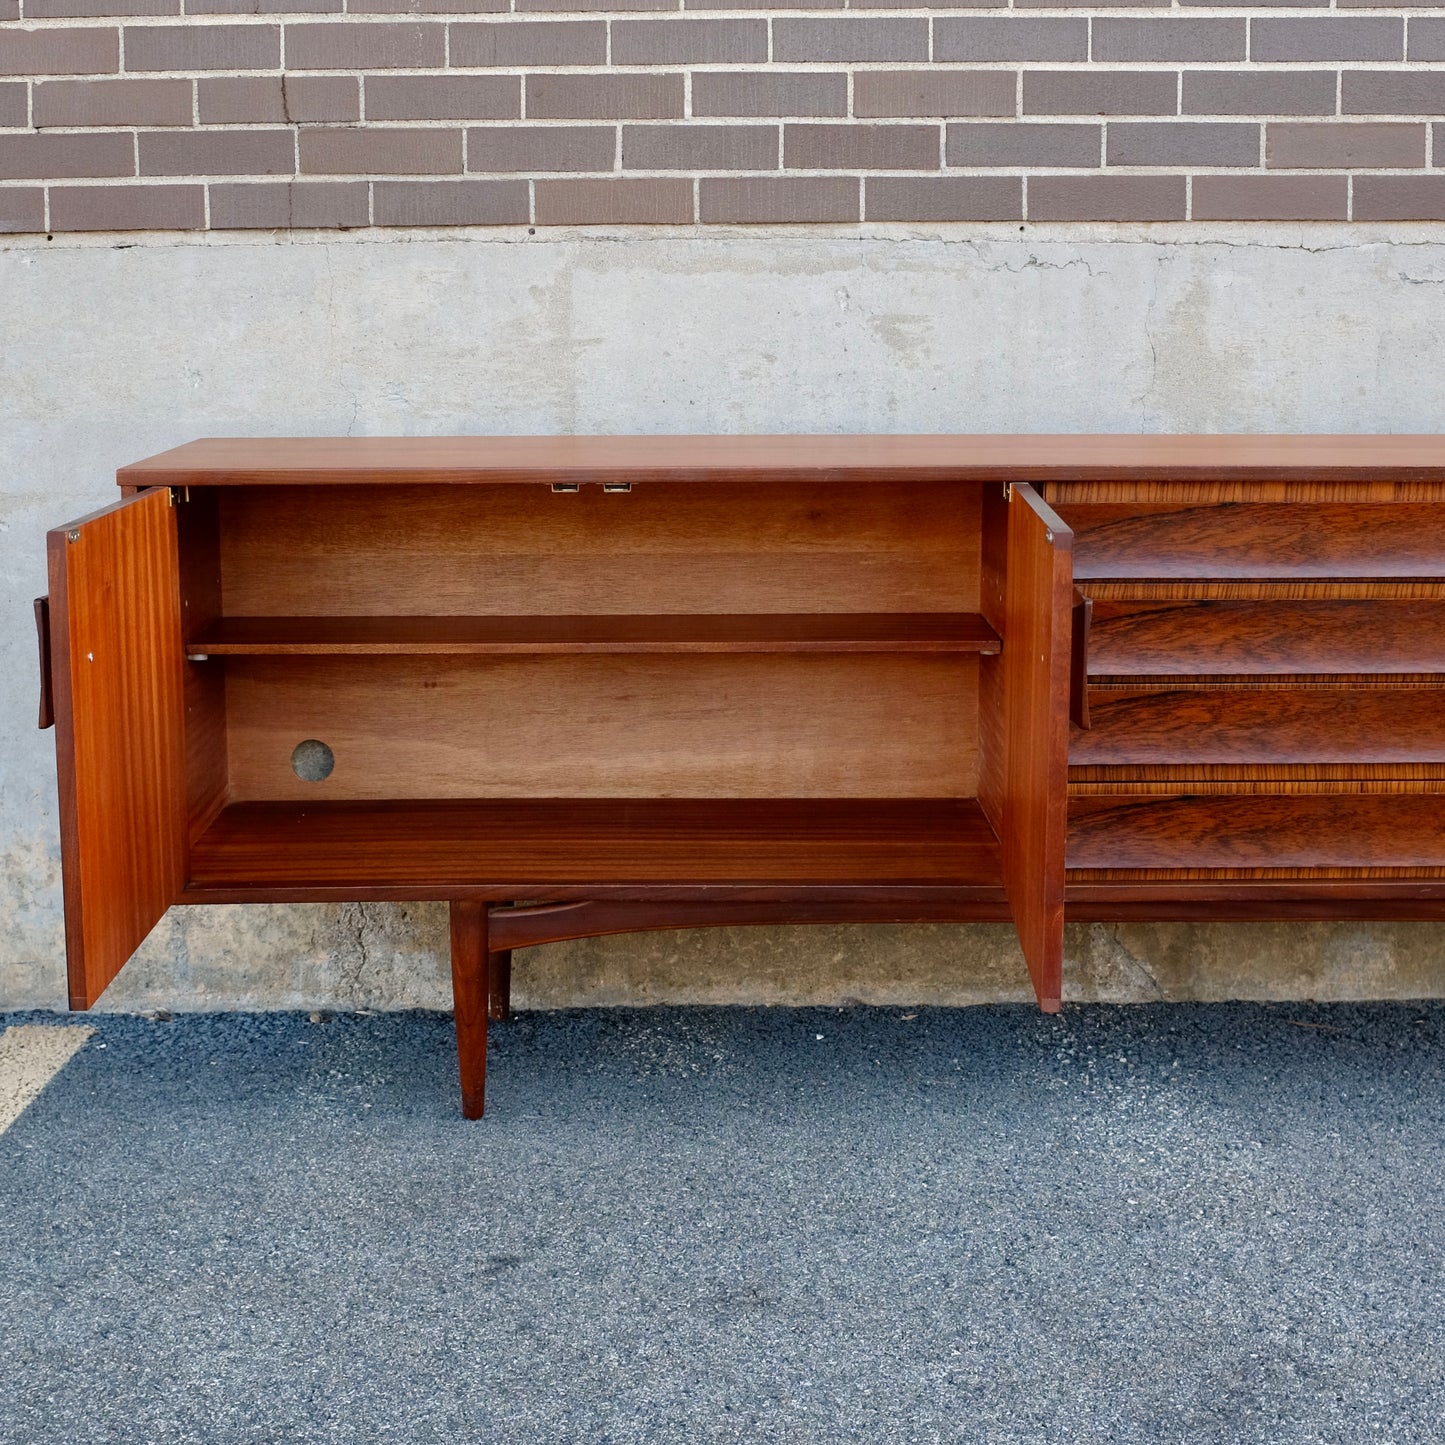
(588, 685)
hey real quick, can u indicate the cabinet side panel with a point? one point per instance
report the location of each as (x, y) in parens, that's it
(198, 528)
(119, 731)
(1037, 641)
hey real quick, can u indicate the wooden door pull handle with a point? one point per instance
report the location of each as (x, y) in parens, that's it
(47, 694)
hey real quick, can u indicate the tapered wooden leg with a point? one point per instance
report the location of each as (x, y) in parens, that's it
(499, 984)
(469, 1000)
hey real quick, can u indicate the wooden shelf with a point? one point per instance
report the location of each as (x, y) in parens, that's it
(503, 636)
(533, 843)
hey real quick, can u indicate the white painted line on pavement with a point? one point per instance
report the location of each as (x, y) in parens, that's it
(31, 1055)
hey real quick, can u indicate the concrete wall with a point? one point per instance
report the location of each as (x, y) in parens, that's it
(112, 349)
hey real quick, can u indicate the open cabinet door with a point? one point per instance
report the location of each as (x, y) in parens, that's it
(1024, 700)
(119, 730)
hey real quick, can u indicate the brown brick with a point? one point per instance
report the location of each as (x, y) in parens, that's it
(9, 10)
(699, 147)
(1021, 145)
(1400, 198)
(13, 105)
(1181, 143)
(443, 97)
(1348, 146)
(416, 45)
(861, 147)
(381, 152)
(451, 203)
(112, 102)
(287, 205)
(943, 198)
(202, 47)
(770, 92)
(1331, 37)
(583, 6)
(48, 156)
(1270, 198)
(127, 208)
(1393, 92)
(530, 42)
(768, 5)
(1259, 92)
(263, 7)
(427, 7)
(1388, 4)
(91, 9)
(1106, 198)
(644, 202)
(92, 50)
(604, 97)
(1100, 92)
(249, 99)
(537, 148)
(779, 200)
(1028, 37)
(1427, 37)
(848, 38)
(22, 208)
(931, 92)
(1181, 38)
(1256, 4)
(218, 153)
(1093, 4)
(689, 42)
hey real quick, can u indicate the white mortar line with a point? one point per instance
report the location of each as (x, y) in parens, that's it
(31, 1055)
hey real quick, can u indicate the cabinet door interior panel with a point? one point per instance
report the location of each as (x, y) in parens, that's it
(1255, 725)
(1354, 635)
(661, 548)
(1256, 540)
(603, 842)
(1038, 625)
(120, 731)
(1301, 831)
(700, 726)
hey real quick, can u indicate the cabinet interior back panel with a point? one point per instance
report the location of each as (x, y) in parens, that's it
(753, 726)
(661, 548)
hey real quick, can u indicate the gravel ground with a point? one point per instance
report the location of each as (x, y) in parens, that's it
(1168, 1223)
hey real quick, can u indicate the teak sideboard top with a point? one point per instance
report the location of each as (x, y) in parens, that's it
(311, 461)
(558, 684)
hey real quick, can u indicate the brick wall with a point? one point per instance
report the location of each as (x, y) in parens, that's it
(129, 114)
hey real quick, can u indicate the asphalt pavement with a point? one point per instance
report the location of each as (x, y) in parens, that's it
(1153, 1224)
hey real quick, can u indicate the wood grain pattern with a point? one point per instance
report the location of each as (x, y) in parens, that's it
(868, 725)
(1348, 485)
(1386, 635)
(1228, 726)
(1256, 540)
(1236, 589)
(470, 989)
(120, 749)
(1038, 642)
(1271, 836)
(876, 459)
(521, 551)
(522, 848)
(207, 774)
(890, 632)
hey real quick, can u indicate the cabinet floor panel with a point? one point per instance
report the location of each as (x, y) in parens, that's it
(1332, 835)
(561, 843)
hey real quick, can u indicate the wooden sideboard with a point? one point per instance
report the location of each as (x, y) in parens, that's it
(591, 685)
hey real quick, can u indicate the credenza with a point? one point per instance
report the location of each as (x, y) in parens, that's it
(587, 685)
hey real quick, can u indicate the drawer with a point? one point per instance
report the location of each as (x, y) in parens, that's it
(1260, 726)
(1266, 636)
(1257, 539)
